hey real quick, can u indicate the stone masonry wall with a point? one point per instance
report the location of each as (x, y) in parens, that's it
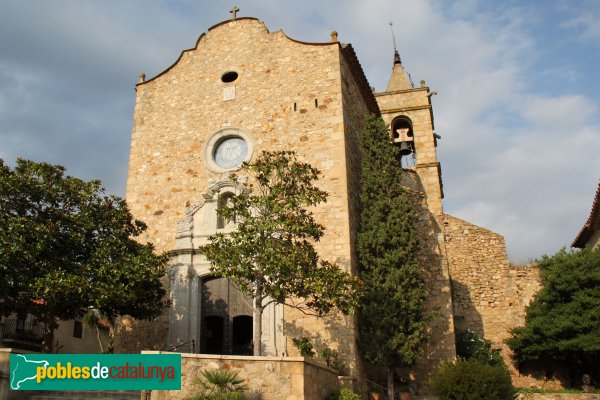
(558, 396)
(489, 296)
(432, 257)
(288, 96)
(355, 112)
(273, 378)
(177, 112)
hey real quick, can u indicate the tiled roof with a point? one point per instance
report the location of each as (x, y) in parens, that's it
(360, 78)
(589, 227)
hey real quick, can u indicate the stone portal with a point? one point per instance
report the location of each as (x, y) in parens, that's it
(210, 314)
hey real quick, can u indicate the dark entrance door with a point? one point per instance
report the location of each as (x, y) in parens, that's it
(242, 335)
(226, 318)
(213, 332)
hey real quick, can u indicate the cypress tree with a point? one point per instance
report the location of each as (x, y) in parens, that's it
(392, 319)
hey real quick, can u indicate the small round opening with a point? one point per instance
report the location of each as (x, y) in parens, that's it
(229, 76)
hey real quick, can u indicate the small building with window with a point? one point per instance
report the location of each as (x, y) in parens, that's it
(71, 336)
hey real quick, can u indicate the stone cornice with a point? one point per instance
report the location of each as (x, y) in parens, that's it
(180, 252)
(423, 88)
(426, 165)
(405, 109)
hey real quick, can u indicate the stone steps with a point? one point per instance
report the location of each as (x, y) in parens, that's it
(82, 395)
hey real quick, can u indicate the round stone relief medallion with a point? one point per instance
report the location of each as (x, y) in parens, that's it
(227, 149)
(231, 152)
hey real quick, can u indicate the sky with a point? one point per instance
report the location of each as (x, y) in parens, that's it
(517, 106)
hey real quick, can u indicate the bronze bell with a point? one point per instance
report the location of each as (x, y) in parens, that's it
(405, 148)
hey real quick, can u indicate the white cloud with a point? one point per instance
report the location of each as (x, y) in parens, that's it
(530, 187)
(514, 159)
(557, 113)
(584, 21)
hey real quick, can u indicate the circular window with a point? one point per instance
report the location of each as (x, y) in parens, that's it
(231, 152)
(229, 77)
(227, 149)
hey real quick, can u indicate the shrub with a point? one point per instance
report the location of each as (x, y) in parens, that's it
(471, 346)
(332, 359)
(343, 394)
(471, 380)
(304, 346)
(217, 396)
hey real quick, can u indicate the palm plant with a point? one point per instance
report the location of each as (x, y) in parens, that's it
(219, 384)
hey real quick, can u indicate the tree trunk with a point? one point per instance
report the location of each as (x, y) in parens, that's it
(111, 336)
(390, 383)
(99, 340)
(50, 326)
(257, 334)
(258, 310)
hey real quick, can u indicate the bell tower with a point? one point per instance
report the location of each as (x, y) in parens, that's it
(408, 113)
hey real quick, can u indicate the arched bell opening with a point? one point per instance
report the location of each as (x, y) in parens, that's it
(403, 138)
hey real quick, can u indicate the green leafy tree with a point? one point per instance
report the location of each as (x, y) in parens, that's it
(270, 256)
(392, 319)
(563, 321)
(66, 247)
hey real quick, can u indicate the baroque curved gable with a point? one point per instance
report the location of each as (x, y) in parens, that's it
(229, 24)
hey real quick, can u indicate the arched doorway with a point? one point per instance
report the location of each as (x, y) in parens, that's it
(226, 318)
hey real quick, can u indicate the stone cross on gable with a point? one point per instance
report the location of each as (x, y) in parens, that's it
(233, 12)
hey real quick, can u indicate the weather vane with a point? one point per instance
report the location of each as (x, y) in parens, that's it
(393, 36)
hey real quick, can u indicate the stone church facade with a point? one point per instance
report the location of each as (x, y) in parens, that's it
(242, 90)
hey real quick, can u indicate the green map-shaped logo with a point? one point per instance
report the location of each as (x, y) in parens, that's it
(95, 371)
(23, 370)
